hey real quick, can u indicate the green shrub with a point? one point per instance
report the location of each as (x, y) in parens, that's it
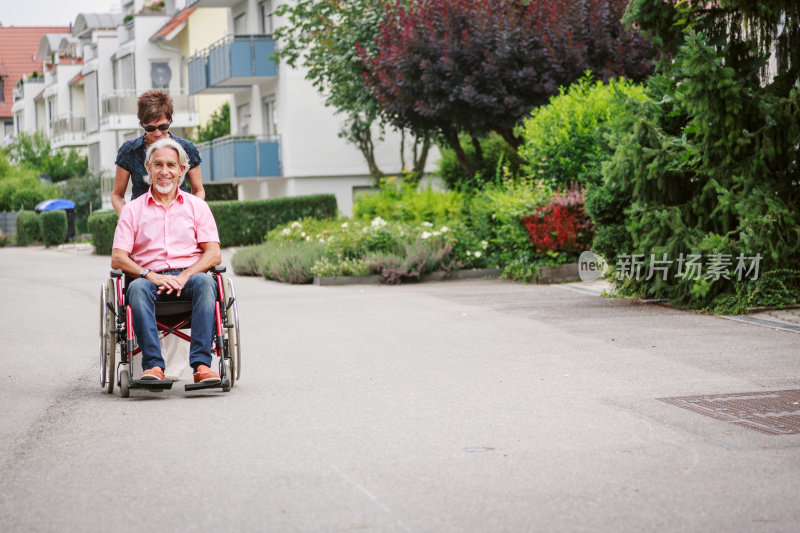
(24, 191)
(53, 227)
(28, 228)
(496, 154)
(102, 226)
(776, 288)
(241, 223)
(247, 261)
(566, 141)
(35, 152)
(399, 201)
(325, 267)
(5, 239)
(285, 261)
(495, 217)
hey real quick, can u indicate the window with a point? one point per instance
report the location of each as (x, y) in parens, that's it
(92, 104)
(265, 14)
(240, 25)
(124, 77)
(270, 117)
(243, 116)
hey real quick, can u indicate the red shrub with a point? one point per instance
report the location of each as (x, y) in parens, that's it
(560, 226)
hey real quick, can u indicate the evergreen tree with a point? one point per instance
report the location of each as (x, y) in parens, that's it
(713, 165)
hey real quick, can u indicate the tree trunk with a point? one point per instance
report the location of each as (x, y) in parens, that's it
(419, 162)
(359, 132)
(451, 136)
(508, 135)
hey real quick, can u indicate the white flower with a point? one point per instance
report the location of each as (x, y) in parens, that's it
(484, 244)
(469, 253)
(425, 235)
(477, 254)
(296, 224)
(427, 224)
(308, 238)
(302, 233)
(378, 222)
(286, 231)
(344, 225)
(444, 229)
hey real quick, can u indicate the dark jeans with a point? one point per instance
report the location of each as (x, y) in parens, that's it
(201, 290)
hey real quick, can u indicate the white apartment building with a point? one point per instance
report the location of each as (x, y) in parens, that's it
(284, 139)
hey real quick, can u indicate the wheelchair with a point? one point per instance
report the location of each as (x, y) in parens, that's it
(118, 343)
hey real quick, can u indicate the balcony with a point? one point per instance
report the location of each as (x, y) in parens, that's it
(69, 131)
(118, 110)
(233, 157)
(232, 62)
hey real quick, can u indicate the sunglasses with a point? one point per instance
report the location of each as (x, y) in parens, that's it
(162, 127)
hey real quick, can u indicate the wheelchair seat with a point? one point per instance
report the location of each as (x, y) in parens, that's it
(172, 313)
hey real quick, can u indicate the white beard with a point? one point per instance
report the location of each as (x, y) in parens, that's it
(165, 189)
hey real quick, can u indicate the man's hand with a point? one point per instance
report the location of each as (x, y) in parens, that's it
(167, 282)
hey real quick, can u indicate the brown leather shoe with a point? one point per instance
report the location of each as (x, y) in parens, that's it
(205, 375)
(154, 373)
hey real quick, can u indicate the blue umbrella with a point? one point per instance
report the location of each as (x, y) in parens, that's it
(52, 205)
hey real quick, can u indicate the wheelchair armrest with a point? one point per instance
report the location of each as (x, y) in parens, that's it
(219, 269)
(117, 273)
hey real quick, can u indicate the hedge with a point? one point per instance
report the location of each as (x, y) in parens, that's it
(239, 223)
(28, 228)
(247, 222)
(102, 226)
(54, 227)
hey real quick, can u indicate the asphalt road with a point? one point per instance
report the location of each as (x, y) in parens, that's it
(475, 405)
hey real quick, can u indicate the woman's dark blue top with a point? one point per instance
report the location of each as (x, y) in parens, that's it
(131, 158)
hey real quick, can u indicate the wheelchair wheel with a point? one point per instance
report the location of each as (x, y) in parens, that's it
(233, 332)
(124, 383)
(108, 339)
(229, 374)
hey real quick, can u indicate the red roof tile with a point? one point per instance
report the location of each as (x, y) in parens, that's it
(179, 18)
(18, 48)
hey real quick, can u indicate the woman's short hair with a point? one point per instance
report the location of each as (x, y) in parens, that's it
(167, 142)
(152, 104)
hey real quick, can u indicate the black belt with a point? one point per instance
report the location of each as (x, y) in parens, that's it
(171, 270)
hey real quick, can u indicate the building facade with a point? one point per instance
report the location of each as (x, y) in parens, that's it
(284, 141)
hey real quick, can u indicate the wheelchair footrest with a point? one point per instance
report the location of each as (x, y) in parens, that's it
(223, 383)
(150, 384)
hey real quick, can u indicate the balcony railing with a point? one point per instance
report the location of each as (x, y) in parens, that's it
(68, 125)
(119, 103)
(234, 61)
(233, 156)
(124, 103)
(19, 92)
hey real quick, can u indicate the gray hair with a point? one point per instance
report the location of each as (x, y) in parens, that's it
(167, 142)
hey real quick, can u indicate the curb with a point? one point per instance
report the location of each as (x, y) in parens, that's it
(565, 273)
(433, 276)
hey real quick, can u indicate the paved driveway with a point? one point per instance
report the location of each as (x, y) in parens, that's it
(474, 405)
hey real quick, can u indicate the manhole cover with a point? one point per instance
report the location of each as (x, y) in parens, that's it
(773, 413)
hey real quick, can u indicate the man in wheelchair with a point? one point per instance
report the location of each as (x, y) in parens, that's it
(167, 240)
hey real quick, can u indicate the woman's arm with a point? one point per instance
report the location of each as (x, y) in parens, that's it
(196, 181)
(118, 192)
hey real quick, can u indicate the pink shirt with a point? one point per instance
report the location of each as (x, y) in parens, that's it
(162, 239)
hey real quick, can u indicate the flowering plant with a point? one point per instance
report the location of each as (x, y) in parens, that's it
(561, 225)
